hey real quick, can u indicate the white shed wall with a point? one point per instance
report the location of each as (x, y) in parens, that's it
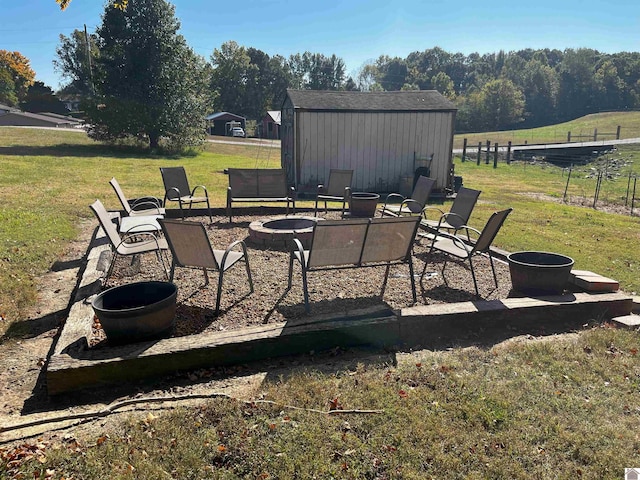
(378, 146)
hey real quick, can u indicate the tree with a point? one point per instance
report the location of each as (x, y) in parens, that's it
(17, 67)
(149, 83)
(7, 89)
(40, 98)
(502, 104)
(76, 55)
(442, 83)
(231, 74)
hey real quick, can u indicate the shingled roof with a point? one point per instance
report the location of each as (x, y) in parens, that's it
(413, 100)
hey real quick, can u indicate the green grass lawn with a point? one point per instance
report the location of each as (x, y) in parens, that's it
(538, 409)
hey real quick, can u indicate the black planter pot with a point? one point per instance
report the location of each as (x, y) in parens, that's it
(363, 204)
(136, 311)
(539, 273)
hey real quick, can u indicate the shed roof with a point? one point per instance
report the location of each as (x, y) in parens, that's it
(275, 116)
(224, 116)
(21, 117)
(413, 100)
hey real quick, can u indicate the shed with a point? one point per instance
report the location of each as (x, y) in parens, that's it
(383, 136)
(220, 123)
(271, 124)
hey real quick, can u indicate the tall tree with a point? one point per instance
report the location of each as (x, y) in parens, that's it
(149, 83)
(232, 72)
(17, 67)
(502, 104)
(7, 89)
(76, 55)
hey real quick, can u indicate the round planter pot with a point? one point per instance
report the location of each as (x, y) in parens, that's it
(363, 204)
(136, 311)
(539, 273)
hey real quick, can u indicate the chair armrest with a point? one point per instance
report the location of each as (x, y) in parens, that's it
(130, 233)
(127, 236)
(426, 208)
(145, 200)
(321, 189)
(454, 238)
(234, 244)
(206, 194)
(297, 246)
(410, 201)
(294, 194)
(146, 205)
(401, 198)
(166, 195)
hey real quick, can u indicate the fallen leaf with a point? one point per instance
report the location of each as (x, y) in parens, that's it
(222, 448)
(403, 394)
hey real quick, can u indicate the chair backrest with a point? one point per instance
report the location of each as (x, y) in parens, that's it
(120, 194)
(189, 243)
(421, 192)
(491, 229)
(105, 222)
(175, 177)
(338, 181)
(463, 205)
(258, 182)
(390, 239)
(272, 183)
(337, 242)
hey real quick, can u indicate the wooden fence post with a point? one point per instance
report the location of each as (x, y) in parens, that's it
(595, 134)
(464, 149)
(479, 153)
(488, 152)
(566, 187)
(495, 155)
(618, 133)
(509, 153)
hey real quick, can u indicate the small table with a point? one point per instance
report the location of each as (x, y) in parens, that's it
(140, 224)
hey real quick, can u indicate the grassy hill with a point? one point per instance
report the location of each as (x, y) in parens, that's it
(581, 129)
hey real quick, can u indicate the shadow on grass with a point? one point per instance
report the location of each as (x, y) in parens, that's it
(90, 150)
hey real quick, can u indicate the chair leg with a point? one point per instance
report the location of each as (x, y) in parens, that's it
(473, 275)
(209, 210)
(173, 269)
(219, 294)
(413, 280)
(206, 276)
(493, 269)
(306, 291)
(246, 263)
(315, 208)
(384, 282)
(181, 211)
(110, 269)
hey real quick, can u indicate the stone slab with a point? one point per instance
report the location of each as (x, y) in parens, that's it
(629, 321)
(593, 282)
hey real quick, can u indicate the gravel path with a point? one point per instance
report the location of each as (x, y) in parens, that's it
(330, 292)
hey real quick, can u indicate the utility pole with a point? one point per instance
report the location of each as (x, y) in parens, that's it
(88, 47)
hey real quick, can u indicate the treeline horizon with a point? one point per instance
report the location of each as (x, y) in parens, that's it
(493, 91)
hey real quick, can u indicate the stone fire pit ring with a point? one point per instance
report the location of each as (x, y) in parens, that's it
(278, 232)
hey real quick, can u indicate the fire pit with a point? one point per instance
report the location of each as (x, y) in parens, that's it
(278, 232)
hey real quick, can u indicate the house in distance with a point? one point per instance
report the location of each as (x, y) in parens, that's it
(384, 137)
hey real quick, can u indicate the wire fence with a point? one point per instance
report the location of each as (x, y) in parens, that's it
(598, 180)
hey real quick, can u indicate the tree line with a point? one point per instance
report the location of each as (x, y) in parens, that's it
(136, 66)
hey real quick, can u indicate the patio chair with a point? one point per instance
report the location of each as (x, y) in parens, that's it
(129, 244)
(412, 205)
(190, 247)
(139, 206)
(356, 243)
(457, 217)
(455, 246)
(176, 187)
(337, 189)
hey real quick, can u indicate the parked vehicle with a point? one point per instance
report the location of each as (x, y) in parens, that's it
(237, 132)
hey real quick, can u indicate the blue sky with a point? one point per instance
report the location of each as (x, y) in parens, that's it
(356, 31)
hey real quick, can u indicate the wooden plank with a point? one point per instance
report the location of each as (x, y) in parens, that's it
(422, 325)
(79, 369)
